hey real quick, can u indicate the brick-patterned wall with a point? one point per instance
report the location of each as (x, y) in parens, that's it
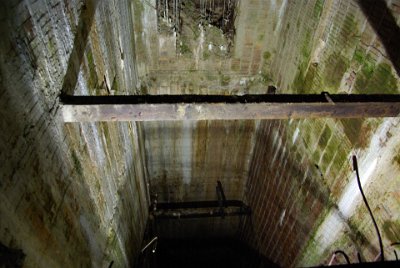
(203, 67)
(70, 195)
(300, 47)
(185, 160)
(79, 189)
(285, 194)
(328, 46)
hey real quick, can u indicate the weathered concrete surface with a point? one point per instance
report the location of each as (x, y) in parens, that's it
(184, 160)
(299, 47)
(75, 194)
(71, 195)
(329, 45)
(285, 194)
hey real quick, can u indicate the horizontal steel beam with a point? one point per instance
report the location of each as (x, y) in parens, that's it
(197, 204)
(196, 215)
(217, 107)
(198, 209)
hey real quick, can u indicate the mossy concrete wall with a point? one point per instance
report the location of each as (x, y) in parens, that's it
(186, 159)
(76, 194)
(299, 47)
(71, 195)
(285, 192)
(325, 46)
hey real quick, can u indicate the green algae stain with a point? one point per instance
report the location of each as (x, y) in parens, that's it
(89, 56)
(106, 133)
(356, 235)
(138, 10)
(92, 69)
(349, 31)
(306, 47)
(396, 159)
(392, 230)
(298, 83)
(325, 136)
(359, 56)
(359, 131)
(144, 89)
(206, 55)
(335, 152)
(303, 83)
(310, 76)
(367, 69)
(373, 78)
(266, 55)
(265, 75)
(318, 7)
(327, 158)
(185, 49)
(335, 69)
(352, 129)
(330, 151)
(376, 79)
(266, 78)
(316, 156)
(77, 163)
(224, 79)
(384, 77)
(115, 84)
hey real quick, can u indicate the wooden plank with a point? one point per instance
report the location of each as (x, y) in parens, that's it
(206, 107)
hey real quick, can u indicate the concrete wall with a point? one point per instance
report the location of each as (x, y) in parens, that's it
(299, 47)
(186, 159)
(75, 194)
(304, 213)
(71, 194)
(285, 193)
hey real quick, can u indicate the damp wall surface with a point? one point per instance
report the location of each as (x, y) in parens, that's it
(186, 159)
(285, 196)
(301, 182)
(298, 47)
(75, 194)
(71, 195)
(197, 56)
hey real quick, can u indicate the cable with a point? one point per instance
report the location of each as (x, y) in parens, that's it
(355, 166)
(344, 254)
(395, 252)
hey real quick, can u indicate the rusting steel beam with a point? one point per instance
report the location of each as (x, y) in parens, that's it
(196, 205)
(194, 215)
(199, 209)
(217, 107)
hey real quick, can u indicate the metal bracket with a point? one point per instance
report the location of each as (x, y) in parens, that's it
(221, 199)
